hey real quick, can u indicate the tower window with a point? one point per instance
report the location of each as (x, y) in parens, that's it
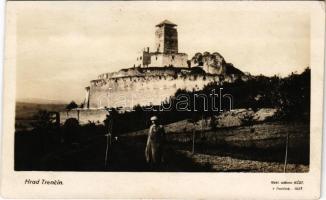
(172, 57)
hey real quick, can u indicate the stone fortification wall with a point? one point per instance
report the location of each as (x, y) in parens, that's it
(84, 116)
(145, 90)
(145, 86)
(152, 71)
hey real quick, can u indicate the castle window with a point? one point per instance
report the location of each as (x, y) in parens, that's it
(172, 57)
(156, 57)
(140, 58)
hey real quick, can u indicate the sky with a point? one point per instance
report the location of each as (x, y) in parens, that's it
(62, 46)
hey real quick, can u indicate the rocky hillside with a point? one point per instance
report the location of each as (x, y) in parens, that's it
(214, 63)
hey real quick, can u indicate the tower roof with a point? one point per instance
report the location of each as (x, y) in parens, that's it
(166, 22)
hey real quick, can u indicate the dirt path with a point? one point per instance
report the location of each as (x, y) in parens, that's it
(230, 164)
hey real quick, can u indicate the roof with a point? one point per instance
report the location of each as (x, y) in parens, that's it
(166, 22)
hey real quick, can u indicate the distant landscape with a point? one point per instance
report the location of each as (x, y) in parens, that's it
(26, 112)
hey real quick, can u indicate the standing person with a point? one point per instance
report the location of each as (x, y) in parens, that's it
(155, 143)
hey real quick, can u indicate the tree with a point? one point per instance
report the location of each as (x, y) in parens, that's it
(71, 105)
(71, 130)
(42, 120)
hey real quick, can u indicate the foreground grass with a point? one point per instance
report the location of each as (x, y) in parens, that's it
(257, 148)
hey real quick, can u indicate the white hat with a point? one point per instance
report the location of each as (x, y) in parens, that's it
(154, 118)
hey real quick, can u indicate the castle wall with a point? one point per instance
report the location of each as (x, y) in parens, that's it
(105, 75)
(84, 116)
(130, 91)
(176, 60)
(156, 60)
(161, 60)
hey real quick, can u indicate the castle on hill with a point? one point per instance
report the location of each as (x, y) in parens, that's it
(158, 74)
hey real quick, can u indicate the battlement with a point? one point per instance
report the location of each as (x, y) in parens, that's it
(137, 71)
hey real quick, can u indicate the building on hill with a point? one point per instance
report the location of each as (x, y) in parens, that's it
(166, 49)
(154, 79)
(159, 74)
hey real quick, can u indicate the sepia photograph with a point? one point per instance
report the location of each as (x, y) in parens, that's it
(210, 92)
(165, 96)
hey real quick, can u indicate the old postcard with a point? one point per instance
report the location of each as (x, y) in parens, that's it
(163, 99)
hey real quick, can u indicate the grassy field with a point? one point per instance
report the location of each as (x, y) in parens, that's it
(257, 148)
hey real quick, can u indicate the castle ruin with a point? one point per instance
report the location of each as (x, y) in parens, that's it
(157, 75)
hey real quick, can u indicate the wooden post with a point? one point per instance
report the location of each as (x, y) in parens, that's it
(201, 125)
(108, 143)
(286, 151)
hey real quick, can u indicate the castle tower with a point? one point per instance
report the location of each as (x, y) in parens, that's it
(166, 37)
